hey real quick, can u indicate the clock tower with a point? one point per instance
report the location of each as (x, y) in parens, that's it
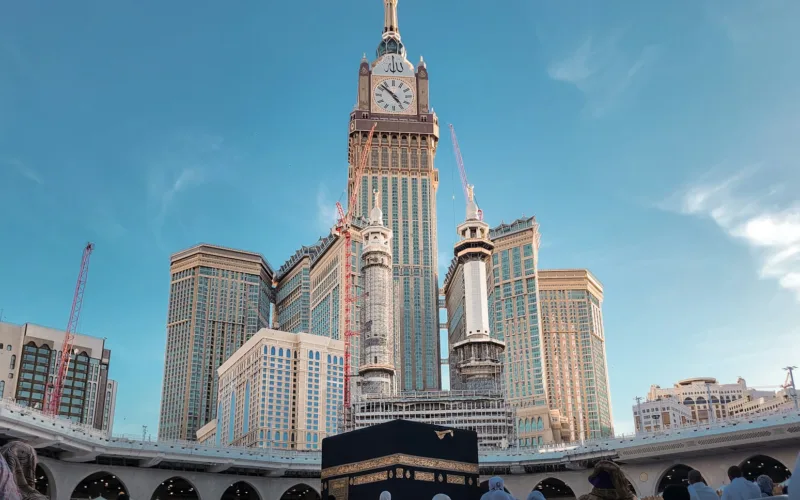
(393, 93)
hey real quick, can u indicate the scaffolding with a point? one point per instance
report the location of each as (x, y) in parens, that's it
(483, 412)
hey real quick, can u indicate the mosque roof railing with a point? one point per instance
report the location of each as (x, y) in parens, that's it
(27, 423)
(520, 224)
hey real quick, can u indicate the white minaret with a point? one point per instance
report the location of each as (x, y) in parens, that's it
(477, 355)
(377, 369)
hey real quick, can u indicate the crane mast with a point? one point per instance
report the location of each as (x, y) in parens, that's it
(343, 228)
(57, 387)
(462, 172)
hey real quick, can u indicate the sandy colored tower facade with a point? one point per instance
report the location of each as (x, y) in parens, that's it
(219, 298)
(394, 93)
(575, 350)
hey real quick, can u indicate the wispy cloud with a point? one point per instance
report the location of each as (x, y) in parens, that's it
(187, 161)
(23, 169)
(601, 71)
(755, 211)
(164, 187)
(327, 215)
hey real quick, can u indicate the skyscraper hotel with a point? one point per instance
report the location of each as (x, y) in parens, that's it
(279, 390)
(575, 350)
(219, 298)
(514, 309)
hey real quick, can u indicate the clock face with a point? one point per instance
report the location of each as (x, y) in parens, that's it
(393, 96)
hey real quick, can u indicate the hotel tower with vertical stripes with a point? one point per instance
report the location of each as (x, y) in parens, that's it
(394, 93)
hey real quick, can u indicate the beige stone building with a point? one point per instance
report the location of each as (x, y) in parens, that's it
(706, 400)
(574, 350)
(219, 298)
(279, 390)
(661, 414)
(539, 426)
(29, 356)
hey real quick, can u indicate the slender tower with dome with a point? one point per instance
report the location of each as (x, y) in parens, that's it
(394, 93)
(377, 370)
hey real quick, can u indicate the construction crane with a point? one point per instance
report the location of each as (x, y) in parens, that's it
(57, 387)
(343, 229)
(461, 171)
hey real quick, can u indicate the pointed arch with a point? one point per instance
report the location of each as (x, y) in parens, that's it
(675, 474)
(552, 488)
(175, 485)
(44, 481)
(758, 465)
(300, 491)
(100, 484)
(241, 490)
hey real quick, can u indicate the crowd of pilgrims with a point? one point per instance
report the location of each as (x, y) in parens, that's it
(609, 483)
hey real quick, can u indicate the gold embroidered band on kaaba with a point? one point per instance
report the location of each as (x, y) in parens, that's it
(399, 459)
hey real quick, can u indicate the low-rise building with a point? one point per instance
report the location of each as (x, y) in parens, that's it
(661, 414)
(703, 400)
(279, 390)
(538, 426)
(31, 354)
(488, 414)
(749, 405)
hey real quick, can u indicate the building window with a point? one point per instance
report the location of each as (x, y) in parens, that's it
(13, 363)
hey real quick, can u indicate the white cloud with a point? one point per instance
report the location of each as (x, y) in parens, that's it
(762, 218)
(24, 170)
(601, 71)
(164, 187)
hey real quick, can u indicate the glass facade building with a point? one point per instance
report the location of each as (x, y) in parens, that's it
(514, 310)
(219, 298)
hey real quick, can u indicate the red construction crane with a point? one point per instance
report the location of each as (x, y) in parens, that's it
(57, 387)
(461, 170)
(343, 228)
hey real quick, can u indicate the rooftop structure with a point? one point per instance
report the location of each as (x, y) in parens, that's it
(485, 413)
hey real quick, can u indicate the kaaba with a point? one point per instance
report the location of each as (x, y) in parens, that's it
(409, 460)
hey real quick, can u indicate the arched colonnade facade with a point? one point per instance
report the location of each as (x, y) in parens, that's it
(648, 479)
(645, 479)
(66, 481)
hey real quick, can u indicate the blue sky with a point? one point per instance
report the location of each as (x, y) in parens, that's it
(656, 142)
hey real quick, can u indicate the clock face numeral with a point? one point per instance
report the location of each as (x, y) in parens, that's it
(393, 96)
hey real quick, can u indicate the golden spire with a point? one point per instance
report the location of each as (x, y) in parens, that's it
(390, 17)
